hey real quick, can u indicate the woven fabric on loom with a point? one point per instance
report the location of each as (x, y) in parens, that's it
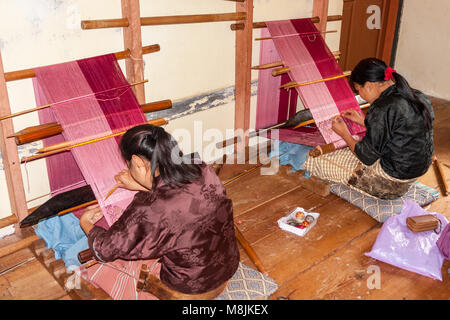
(301, 47)
(90, 98)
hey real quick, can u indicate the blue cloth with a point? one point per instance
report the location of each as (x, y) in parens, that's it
(64, 235)
(291, 153)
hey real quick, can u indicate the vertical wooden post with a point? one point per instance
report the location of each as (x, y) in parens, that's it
(243, 70)
(389, 32)
(320, 9)
(10, 156)
(133, 41)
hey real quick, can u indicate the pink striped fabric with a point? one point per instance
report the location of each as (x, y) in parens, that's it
(91, 98)
(301, 47)
(280, 104)
(119, 278)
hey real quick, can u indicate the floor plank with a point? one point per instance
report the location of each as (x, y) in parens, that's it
(32, 282)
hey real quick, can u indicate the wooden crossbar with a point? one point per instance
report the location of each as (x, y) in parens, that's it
(153, 21)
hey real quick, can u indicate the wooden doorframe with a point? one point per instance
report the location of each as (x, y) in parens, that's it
(391, 30)
(386, 39)
(396, 34)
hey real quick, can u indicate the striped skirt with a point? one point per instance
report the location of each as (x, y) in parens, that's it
(342, 166)
(119, 278)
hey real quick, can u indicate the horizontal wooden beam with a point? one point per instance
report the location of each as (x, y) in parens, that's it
(268, 65)
(29, 73)
(271, 38)
(45, 106)
(43, 131)
(283, 70)
(440, 176)
(259, 25)
(4, 222)
(153, 21)
(155, 122)
(294, 84)
(16, 246)
(336, 54)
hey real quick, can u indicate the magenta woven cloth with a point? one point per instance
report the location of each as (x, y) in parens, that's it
(300, 46)
(90, 98)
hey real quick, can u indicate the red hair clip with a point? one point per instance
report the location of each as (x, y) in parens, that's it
(388, 73)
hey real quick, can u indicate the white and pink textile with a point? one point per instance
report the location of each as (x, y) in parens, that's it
(301, 47)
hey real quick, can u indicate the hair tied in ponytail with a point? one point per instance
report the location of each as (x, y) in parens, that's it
(388, 73)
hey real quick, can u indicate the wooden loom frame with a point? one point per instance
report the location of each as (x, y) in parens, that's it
(132, 23)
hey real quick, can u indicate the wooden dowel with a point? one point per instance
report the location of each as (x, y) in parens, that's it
(280, 63)
(271, 38)
(43, 131)
(304, 123)
(268, 65)
(104, 23)
(29, 73)
(19, 245)
(50, 104)
(363, 106)
(196, 18)
(290, 86)
(156, 122)
(283, 70)
(110, 192)
(249, 250)
(87, 204)
(256, 25)
(152, 21)
(244, 173)
(440, 176)
(279, 71)
(4, 222)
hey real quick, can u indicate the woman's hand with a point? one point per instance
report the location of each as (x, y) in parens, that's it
(126, 181)
(90, 216)
(338, 125)
(341, 129)
(353, 115)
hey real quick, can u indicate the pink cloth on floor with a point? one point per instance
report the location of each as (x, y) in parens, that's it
(119, 278)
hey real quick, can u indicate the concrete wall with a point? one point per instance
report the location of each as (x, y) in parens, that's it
(195, 67)
(423, 46)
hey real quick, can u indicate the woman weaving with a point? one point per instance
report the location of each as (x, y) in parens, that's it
(398, 145)
(180, 215)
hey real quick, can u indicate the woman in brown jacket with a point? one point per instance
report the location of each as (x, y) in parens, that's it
(180, 215)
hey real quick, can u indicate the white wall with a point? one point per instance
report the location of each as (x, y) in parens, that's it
(194, 58)
(423, 46)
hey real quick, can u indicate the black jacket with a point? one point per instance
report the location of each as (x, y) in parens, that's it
(396, 134)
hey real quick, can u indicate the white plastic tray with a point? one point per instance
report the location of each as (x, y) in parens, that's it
(282, 222)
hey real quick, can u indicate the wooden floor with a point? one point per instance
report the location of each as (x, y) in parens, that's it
(328, 263)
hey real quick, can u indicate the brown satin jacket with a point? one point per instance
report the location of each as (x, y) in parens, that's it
(189, 229)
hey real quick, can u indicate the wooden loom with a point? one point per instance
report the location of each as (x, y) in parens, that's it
(132, 24)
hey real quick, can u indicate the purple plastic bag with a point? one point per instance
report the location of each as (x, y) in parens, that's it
(444, 242)
(417, 252)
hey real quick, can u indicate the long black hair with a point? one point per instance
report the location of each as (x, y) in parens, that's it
(161, 149)
(373, 70)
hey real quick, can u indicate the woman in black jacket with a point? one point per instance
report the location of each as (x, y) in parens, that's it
(398, 145)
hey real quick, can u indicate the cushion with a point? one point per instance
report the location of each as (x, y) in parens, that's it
(380, 209)
(248, 284)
